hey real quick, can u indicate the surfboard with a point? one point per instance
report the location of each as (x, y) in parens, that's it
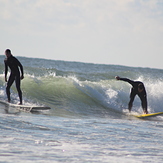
(148, 115)
(26, 108)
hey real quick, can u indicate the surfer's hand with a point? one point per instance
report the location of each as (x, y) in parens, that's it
(117, 77)
(22, 77)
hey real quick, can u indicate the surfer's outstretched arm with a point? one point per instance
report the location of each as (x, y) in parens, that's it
(126, 80)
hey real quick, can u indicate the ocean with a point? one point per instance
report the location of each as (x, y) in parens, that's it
(88, 121)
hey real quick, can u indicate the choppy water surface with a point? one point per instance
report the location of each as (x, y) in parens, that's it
(87, 121)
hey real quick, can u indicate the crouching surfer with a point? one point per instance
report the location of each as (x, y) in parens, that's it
(137, 89)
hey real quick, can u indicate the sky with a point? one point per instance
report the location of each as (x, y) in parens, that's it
(119, 32)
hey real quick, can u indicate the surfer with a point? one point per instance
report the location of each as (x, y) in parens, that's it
(137, 89)
(14, 65)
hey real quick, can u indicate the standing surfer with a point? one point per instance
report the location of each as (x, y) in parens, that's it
(14, 65)
(137, 89)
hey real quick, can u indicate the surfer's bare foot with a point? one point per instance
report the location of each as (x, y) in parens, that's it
(145, 112)
(20, 103)
(8, 101)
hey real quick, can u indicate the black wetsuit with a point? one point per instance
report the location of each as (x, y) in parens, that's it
(134, 91)
(14, 65)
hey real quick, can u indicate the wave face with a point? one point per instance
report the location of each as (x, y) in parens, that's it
(74, 88)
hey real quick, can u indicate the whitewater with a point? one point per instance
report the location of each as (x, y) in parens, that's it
(88, 120)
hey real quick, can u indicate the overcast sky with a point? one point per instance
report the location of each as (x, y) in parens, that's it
(123, 32)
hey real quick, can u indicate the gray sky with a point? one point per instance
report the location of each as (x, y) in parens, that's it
(123, 32)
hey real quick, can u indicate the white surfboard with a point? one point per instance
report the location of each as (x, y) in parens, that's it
(26, 108)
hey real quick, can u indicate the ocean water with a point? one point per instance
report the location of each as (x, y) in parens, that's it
(88, 120)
